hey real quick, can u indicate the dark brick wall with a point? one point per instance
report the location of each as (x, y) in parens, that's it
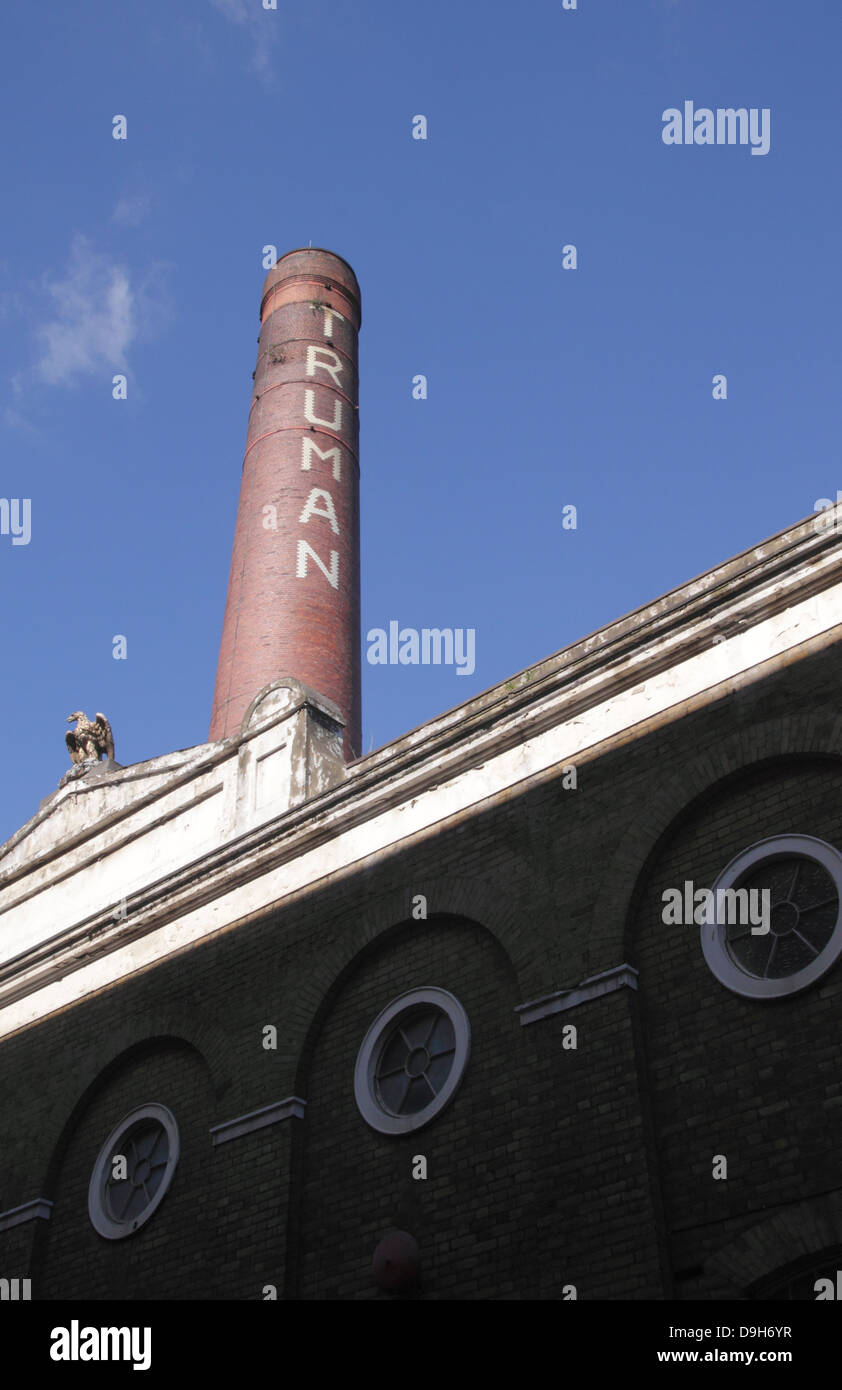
(73, 1259)
(755, 1080)
(550, 1166)
(468, 1214)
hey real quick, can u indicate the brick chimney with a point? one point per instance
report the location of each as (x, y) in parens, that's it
(293, 604)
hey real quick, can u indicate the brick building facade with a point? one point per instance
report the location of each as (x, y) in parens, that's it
(278, 951)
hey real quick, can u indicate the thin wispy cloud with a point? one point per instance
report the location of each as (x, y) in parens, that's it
(99, 309)
(94, 322)
(261, 26)
(131, 210)
(13, 420)
(237, 10)
(675, 17)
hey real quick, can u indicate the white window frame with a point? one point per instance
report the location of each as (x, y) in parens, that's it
(101, 1219)
(365, 1071)
(714, 934)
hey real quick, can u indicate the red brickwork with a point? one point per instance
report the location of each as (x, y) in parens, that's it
(293, 605)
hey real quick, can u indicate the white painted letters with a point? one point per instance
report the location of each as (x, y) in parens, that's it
(311, 508)
(331, 575)
(310, 447)
(314, 355)
(313, 419)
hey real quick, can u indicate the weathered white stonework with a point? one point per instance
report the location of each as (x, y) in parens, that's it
(292, 1108)
(119, 871)
(106, 836)
(621, 977)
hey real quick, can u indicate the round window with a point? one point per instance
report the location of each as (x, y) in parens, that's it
(133, 1171)
(776, 922)
(411, 1060)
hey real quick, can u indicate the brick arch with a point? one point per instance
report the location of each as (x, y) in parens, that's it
(807, 735)
(181, 1027)
(155, 1032)
(468, 900)
(791, 1235)
(465, 956)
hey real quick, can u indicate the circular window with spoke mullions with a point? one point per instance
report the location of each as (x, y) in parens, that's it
(776, 920)
(133, 1171)
(411, 1060)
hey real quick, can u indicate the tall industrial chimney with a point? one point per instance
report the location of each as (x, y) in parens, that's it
(293, 605)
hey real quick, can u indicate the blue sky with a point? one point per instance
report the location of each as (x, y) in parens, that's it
(547, 387)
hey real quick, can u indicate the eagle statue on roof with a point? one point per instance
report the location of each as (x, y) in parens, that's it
(90, 739)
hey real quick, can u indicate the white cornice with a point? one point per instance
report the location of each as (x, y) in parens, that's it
(292, 1108)
(620, 977)
(645, 670)
(39, 1209)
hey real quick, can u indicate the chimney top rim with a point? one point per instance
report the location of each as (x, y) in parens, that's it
(315, 250)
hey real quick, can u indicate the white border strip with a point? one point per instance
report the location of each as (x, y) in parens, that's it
(40, 1208)
(619, 714)
(291, 1108)
(620, 977)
